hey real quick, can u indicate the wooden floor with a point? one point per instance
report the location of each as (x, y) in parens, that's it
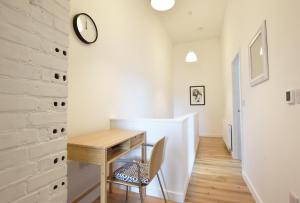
(118, 196)
(216, 176)
(216, 179)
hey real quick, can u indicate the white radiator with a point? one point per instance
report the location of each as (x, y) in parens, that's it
(227, 135)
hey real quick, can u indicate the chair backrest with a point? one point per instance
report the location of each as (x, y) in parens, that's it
(157, 158)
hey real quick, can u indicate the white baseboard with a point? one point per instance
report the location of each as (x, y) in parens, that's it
(91, 196)
(173, 196)
(156, 192)
(251, 187)
(186, 186)
(176, 197)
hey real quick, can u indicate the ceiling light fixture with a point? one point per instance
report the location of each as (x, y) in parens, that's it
(162, 5)
(191, 57)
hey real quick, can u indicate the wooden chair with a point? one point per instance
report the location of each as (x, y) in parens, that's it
(138, 174)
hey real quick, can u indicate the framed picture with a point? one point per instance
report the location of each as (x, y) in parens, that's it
(258, 57)
(197, 95)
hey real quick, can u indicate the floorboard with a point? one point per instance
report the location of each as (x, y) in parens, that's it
(216, 176)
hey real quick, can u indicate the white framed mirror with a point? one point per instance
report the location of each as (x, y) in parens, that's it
(258, 57)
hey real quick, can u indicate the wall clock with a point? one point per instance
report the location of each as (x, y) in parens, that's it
(85, 28)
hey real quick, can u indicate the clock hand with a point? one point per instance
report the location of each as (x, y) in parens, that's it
(86, 24)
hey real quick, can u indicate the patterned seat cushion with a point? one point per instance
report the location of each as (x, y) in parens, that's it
(129, 173)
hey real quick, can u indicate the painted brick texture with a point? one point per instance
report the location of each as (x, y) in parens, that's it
(33, 100)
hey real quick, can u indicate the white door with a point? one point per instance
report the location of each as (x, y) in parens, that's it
(237, 143)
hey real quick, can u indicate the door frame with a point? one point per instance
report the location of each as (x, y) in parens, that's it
(237, 138)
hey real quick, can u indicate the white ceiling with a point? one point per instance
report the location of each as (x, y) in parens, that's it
(191, 20)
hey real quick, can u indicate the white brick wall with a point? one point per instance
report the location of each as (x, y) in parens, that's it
(33, 100)
(15, 157)
(17, 138)
(47, 178)
(13, 192)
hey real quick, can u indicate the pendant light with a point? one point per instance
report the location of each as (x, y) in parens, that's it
(162, 5)
(191, 57)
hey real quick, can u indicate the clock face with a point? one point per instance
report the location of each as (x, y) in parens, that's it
(85, 28)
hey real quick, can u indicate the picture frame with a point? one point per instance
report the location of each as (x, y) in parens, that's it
(197, 95)
(258, 57)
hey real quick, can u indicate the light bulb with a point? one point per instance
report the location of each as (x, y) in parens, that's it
(162, 5)
(191, 57)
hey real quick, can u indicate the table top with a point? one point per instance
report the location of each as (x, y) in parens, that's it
(103, 139)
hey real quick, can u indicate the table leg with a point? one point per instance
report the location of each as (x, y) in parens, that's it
(144, 151)
(110, 175)
(103, 184)
(144, 160)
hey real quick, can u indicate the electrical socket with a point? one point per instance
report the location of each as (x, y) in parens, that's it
(294, 198)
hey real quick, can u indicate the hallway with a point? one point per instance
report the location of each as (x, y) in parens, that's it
(216, 177)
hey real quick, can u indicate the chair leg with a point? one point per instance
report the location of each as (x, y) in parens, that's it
(141, 194)
(127, 193)
(162, 190)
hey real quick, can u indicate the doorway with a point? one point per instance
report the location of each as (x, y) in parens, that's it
(236, 93)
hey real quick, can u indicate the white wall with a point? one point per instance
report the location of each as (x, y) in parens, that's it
(208, 72)
(29, 33)
(271, 128)
(126, 73)
(181, 145)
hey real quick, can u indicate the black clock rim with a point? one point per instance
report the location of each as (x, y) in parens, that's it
(77, 31)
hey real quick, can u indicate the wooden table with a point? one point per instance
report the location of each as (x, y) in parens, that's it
(103, 148)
